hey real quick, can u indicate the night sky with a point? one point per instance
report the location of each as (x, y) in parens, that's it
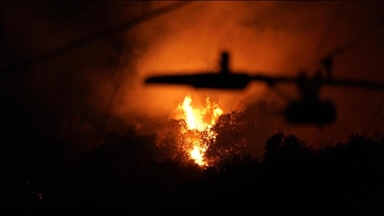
(104, 79)
(81, 130)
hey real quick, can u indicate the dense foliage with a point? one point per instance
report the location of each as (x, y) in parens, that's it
(140, 173)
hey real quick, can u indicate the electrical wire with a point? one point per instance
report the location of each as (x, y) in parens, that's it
(375, 114)
(281, 93)
(95, 37)
(325, 35)
(349, 45)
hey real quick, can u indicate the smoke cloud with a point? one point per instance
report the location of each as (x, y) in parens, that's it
(105, 78)
(272, 38)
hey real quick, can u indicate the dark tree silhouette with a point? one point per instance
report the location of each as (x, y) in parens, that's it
(132, 171)
(284, 149)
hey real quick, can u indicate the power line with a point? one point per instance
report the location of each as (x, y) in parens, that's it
(281, 93)
(117, 83)
(326, 33)
(375, 114)
(371, 29)
(98, 36)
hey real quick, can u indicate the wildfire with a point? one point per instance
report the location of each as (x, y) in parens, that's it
(200, 120)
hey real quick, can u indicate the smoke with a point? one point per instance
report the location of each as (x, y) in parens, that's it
(106, 77)
(273, 38)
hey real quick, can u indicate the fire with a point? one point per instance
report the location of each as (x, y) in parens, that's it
(197, 154)
(199, 120)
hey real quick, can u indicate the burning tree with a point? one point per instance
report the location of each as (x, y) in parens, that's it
(206, 135)
(230, 140)
(197, 128)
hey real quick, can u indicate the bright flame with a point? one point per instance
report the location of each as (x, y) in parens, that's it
(197, 154)
(199, 120)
